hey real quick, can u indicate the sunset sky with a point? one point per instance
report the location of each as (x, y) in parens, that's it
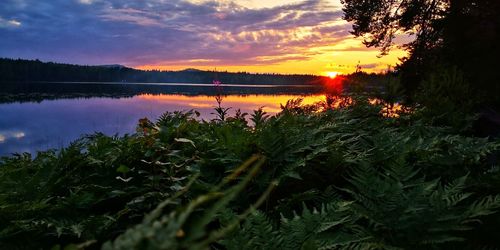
(242, 35)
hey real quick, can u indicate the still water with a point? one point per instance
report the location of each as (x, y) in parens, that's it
(39, 118)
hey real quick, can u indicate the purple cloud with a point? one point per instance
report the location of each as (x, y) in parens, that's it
(166, 32)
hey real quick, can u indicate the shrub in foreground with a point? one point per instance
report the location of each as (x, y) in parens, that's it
(302, 179)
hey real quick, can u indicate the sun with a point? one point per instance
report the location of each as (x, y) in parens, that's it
(332, 74)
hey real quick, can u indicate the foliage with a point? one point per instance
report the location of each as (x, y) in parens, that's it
(453, 34)
(310, 177)
(422, 213)
(379, 21)
(447, 99)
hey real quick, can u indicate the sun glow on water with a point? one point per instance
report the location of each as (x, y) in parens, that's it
(247, 103)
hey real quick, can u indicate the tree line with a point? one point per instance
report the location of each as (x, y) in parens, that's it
(19, 70)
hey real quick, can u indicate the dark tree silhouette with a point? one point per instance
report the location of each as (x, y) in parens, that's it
(378, 21)
(36, 71)
(460, 34)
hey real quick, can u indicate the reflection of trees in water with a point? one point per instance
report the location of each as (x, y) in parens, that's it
(387, 109)
(339, 95)
(39, 97)
(37, 92)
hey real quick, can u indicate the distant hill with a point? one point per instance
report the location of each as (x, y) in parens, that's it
(112, 66)
(191, 70)
(19, 70)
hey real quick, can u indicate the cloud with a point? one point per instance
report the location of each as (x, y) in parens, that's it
(168, 32)
(370, 65)
(86, 1)
(9, 23)
(138, 17)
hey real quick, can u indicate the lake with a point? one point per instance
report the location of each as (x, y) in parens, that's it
(41, 116)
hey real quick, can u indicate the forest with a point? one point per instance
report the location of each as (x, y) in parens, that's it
(19, 70)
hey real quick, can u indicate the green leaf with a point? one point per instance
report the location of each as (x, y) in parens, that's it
(122, 169)
(184, 140)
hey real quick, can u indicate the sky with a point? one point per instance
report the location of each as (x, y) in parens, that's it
(272, 36)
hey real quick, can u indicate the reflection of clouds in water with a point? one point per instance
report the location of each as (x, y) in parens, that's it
(246, 103)
(200, 105)
(4, 136)
(270, 110)
(19, 135)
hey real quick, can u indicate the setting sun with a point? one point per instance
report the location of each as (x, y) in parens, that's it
(332, 74)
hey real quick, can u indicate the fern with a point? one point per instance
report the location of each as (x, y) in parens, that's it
(421, 212)
(348, 178)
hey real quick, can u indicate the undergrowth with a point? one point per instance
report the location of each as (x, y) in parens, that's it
(310, 177)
